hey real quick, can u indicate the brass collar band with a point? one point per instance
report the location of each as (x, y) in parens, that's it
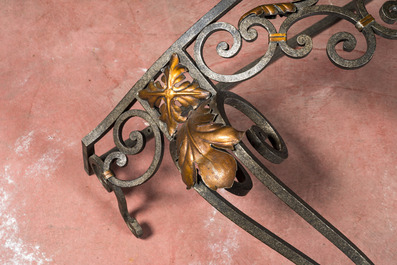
(108, 174)
(365, 21)
(277, 37)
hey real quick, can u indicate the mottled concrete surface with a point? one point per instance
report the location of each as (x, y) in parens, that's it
(64, 65)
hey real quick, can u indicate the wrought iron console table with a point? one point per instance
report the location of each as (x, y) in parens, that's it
(191, 114)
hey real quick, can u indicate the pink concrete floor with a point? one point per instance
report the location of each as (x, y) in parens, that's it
(64, 66)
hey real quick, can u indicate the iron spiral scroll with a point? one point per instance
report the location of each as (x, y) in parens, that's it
(191, 114)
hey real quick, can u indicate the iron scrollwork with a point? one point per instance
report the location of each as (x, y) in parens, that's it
(295, 11)
(204, 146)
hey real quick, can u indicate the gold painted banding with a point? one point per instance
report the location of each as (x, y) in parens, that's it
(277, 37)
(365, 21)
(108, 174)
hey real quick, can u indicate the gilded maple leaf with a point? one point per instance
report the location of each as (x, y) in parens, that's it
(198, 142)
(167, 95)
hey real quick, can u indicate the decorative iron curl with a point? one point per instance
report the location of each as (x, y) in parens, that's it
(276, 150)
(134, 145)
(248, 34)
(349, 41)
(121, 161)
(102, 171)
(388, 13)
(363, 22)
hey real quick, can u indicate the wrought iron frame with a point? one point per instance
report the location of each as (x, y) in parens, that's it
(177, 59)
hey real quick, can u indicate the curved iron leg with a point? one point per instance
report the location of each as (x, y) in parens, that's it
(251, 226)
(131, 222)
(300, 206)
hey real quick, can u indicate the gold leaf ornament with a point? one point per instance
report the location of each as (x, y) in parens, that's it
(271, 10)
(198, 142)
(171, 96)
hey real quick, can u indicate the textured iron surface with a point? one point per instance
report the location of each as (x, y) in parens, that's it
(262, 136)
